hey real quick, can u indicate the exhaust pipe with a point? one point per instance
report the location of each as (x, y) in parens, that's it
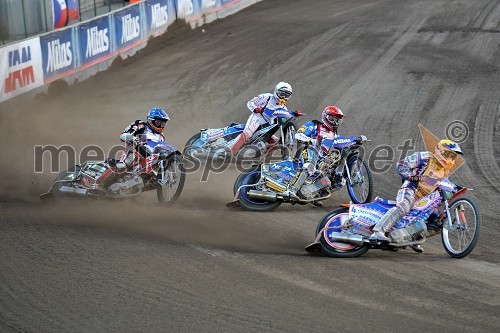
(346, 238)
(72, 190)
(262, 195)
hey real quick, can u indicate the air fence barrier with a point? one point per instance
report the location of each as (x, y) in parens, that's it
(79, 51)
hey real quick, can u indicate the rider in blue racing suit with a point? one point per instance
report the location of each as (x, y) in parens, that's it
(143, 136)
(411, 170)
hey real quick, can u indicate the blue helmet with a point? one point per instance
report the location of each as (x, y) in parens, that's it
(157, 118)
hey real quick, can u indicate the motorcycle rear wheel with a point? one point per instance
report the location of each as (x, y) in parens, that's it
(461, 239)
(64, 175)
(192, 145)
(252, 177)
(333, 221)
(175, 176)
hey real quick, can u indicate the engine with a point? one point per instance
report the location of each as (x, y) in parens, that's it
(411, 232)
(130, 186)
(330, 161)
(309, 191)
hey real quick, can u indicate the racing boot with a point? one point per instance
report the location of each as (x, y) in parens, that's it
(385, 224)
(417, 248)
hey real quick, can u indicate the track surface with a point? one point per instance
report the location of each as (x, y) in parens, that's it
(132, 266)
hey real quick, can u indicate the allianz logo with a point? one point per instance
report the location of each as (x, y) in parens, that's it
(159, 16)
(97, 41)
(131, 28)
(59, 55)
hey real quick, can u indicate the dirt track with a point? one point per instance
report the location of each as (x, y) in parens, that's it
(133, 266)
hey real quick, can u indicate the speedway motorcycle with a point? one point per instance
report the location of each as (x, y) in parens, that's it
(163, 171)
(345, 231)
(209, 142)
(268, 185)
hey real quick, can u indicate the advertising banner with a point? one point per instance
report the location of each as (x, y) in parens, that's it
(58, 54)
(95, 40)
(159, 15)
(73, 9)
(128, 26)
(225, 2)
(187, 8)
(207, 4)
(59, 13)
(20, 68)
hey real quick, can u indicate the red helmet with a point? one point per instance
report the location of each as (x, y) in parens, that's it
(332, 117)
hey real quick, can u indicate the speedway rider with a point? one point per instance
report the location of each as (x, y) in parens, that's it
(411, 169)
(276, 100)
(143, 136)
(313, 132)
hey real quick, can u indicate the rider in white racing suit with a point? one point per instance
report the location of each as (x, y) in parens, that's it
(313, 132)
(143, 136)
(276, 100)
(411, 169)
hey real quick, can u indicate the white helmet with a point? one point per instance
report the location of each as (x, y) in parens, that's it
(282, 92)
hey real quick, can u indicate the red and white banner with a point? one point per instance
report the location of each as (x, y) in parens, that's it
(59, 13)
(73, 9)
(20, 68)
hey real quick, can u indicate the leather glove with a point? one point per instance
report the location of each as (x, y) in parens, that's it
(258, 110)
(297, 113)
(361, 139)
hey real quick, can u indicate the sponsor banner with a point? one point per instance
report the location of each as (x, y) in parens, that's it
(207, 5)
(58, 54)
(94, 40)
(73, 9)
(20, 68)
(159, 14)
(128, 26)
(187, 8)
(59, 13)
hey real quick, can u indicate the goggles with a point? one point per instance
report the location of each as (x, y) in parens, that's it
(159, 123)
(333, 119)
(283, 94)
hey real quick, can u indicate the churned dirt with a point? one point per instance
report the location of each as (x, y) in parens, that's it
(134, 266)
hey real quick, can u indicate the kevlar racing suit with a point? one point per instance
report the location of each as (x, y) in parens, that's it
(256, 119)
(312, 132)
(139, 136)
(410, 169)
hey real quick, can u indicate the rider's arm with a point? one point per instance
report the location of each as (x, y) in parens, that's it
(307, 132)
(410, 165)
(258, 102)
(133, 130)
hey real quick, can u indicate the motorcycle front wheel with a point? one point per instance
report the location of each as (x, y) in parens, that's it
(460, 239)
(360, 186)
(171, 178)
(249, 178)
(332, 223)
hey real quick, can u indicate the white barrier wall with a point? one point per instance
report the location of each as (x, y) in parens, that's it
(81, 50)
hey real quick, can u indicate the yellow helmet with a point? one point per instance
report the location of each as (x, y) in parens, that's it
(447, 152)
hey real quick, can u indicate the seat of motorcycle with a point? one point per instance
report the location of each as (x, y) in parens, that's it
(385, 201)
